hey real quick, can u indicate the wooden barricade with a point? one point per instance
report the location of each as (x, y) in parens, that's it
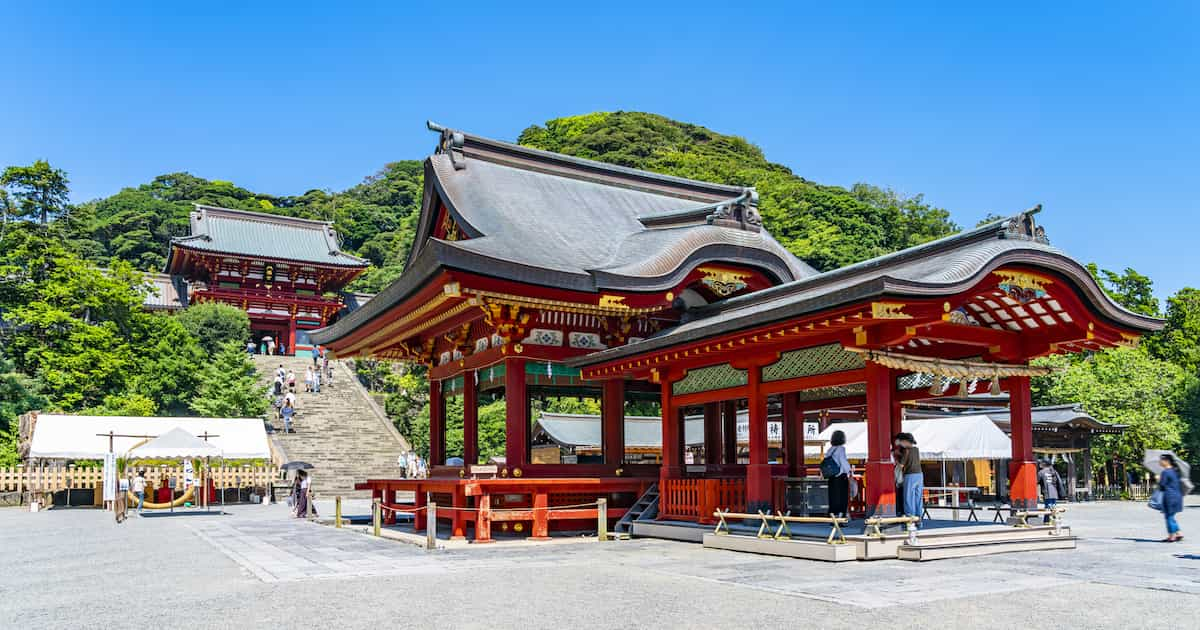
(783, 531)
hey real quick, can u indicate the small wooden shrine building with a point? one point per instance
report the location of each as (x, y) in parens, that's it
(283, 271)
(536, 275)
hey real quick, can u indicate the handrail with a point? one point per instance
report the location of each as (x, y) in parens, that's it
(874, 523)
(836, 535)
(1054, 513)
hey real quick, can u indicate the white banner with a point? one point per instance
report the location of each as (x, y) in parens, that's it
(110, 476)
(189, 476)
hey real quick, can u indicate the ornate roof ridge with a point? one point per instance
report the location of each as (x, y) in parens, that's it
(265, 217)
(462, 146)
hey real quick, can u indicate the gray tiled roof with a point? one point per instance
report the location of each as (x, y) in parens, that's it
(554, 220)
(170, 293)
(941, 267)
(266, 236)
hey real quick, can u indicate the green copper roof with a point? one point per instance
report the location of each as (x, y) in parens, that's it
(265, 235)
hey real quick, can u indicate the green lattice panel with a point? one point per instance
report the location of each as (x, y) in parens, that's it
(710, 378)
(838, 391)
(825, 359)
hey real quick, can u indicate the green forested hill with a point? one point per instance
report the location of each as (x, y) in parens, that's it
(827, 226)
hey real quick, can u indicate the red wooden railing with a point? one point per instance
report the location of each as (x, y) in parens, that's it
(697, 499)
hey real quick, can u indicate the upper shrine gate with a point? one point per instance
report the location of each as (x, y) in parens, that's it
(537, 275)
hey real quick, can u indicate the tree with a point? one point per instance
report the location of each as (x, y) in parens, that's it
(1129, 289)
(1179, 340)
(215, 325)
(40, 189)
(228, 386)
(1121, 386)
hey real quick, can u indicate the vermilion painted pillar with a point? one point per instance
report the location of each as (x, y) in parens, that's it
(516, 410)
(470, 419)
(793, 436)
(437, 424)
(758, 472)
(291, 338)
(729, 434)
(880, 481)
(612, 418)
(712, 433)
(1022, 472)
(670, 468)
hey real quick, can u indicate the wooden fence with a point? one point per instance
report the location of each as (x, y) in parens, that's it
(56, 478)
(697, 499)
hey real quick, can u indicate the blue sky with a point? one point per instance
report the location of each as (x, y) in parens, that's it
(1088, 108)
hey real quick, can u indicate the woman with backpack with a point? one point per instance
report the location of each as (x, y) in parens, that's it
(836, 468)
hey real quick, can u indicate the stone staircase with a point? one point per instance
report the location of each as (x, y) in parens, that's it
(341, 431)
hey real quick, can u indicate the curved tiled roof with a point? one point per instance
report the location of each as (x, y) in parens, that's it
(222, 230)
(941, 267)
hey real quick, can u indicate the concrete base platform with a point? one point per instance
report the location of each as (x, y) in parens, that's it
(887, 547)
(941, 551)
(807, 549)
(685, 532)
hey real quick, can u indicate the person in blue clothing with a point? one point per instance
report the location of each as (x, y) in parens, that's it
(316, 354)
(1172, 495)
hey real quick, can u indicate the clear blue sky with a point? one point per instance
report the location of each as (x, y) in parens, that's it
(1088, 108)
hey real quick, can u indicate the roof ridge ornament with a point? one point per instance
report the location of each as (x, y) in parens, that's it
(1024, 227)
(451, 142)
(739, 212)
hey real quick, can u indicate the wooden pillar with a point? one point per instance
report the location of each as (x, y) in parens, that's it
(793, 436)
(670, 468)
(758, 473)
(729, 432)
(483, 519)
(458, 522)
(1022, 472)
(880, 480)
(437, 425)
(612, 416)
(541, 516)
(712, 433)
(291, 337)
(516, 410)
(470, 420)
(419, 514)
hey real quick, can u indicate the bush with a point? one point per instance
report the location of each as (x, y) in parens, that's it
(215, 325)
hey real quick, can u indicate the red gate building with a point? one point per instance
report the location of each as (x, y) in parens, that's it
(283, 271)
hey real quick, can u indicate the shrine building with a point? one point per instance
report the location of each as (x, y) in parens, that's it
(285, 272)
(536, 276)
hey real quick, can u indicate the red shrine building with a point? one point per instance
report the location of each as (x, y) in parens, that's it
(536, 275)
(285, 272)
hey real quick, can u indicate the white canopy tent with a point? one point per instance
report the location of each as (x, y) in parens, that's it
(175, 444)
(939, 439)
(87, 437)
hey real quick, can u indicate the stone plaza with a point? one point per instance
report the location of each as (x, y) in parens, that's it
(255, 566)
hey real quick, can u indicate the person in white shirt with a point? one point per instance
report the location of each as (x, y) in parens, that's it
(839, 484)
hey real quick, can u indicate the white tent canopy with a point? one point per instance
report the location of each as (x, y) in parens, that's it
(76, 437)
(939, 439)
(174, 444)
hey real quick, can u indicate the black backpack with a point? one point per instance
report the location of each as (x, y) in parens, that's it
(830, 468)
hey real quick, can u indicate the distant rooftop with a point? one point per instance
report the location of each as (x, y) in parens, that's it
(226, 231)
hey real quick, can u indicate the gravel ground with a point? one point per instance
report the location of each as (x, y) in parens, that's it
(78, 569)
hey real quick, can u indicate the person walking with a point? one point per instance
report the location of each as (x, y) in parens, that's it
(139, 488)
(308, 379)
(291, 381)
(1171, 487)
(898, 472)
(914, 479)
(317, 381)
(1052, 486)
(271, 347)
(839, 479)
(287, 412)
(282, 348)
(316, 355)
(249, 347)
(402, 462)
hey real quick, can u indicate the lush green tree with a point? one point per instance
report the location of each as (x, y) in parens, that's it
(1129, 289)
(40, 189)
(215, 325)
(228, 386)
(1122, 386)
(1179, 341)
